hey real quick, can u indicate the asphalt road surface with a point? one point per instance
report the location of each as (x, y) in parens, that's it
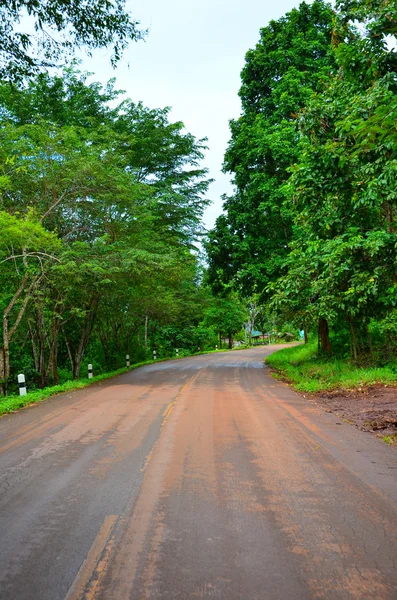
(195, 478)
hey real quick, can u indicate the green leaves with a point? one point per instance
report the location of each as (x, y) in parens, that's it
(25, 237)
(60, 27)
(314, 159)
(226, 315)
(100, 209)
(343, 188)
(292, 59)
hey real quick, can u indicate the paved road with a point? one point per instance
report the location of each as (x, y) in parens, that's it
(195, 478)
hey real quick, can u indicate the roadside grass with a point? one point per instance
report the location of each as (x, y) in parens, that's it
(12, 403)
(301, 366)
(391, 439)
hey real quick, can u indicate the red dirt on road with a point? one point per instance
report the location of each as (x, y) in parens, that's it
(196, 478)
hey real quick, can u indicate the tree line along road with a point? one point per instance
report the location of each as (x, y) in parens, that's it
(195, 478)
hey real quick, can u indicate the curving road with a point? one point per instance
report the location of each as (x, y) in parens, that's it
(195, 478)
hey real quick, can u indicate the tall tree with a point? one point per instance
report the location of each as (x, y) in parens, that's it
(227, 315)
(158, 154)
(342, 267)
(60, 27)
(122, 192)
(25, 248)
(292, 59)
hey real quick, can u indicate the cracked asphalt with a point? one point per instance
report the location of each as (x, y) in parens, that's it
(200, 477)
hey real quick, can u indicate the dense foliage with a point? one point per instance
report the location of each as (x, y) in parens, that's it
(292, 58)
(36, 35)
(101, 199)
(101, 207)
(311, 226)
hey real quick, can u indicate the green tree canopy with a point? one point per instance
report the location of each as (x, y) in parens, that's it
(60, 26)
(122, 192)
(342, 267)
(292, 59)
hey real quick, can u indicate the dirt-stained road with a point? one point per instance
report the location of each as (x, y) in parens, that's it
(194, 478)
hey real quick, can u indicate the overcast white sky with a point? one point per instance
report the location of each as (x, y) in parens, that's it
(191, 60)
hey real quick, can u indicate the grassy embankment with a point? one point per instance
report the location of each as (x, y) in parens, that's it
(309, 373)
(13, 403)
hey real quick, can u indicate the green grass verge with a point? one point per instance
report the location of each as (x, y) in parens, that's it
(390, 440)
(11, 404)
(308, 373)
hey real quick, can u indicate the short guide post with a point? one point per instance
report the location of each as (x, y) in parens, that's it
(22, 384)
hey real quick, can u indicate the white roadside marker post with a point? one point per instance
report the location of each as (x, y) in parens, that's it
(22, 384)
(154, 354)
(90, 371)
(127, 359)
(216, 347)
(177, 352)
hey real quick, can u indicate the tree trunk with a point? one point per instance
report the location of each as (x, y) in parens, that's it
(137, 332)
(52, 365)
(7, 332)
(87, 328)
(42, 343)
(371, 350)
(2, 373)
(306, 337)
(220, 340)
(34, 348)
(105, 344)
(78, 360)
(70, 353)
(4, 368)
(230, 340)
(353, 340)
(6, 356)
(323, 333)
(146, 330)
(76, 357)
(43, 347)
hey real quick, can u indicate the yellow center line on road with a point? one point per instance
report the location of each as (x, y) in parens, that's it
(91, 572)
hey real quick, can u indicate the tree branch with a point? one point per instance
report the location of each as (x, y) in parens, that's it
(23, 307)
(55, 204)
(38, 255)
